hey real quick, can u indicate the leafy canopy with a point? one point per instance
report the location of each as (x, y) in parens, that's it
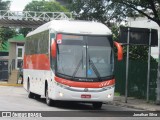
(97, 10)
(148, 8)
(43, 6)
(5, 33)
(4, 5)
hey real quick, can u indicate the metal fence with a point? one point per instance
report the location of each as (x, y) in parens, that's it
(3, 70)
(137, 84)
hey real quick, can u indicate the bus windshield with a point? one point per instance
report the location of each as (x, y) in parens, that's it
(85, 57)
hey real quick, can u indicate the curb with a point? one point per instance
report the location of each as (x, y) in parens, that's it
(132, 106)
(7, 84)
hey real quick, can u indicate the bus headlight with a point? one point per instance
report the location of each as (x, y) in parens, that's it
(109, 95)
(60, 94)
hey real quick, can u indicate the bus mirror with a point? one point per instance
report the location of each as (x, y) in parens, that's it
(120, 50)
(53, 49)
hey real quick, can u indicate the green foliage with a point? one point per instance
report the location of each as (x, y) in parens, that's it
(117, 94)
(25, 31)
(42, 6)
(5, 34)
(137, 78)
(101, 10)
(45, 6)
(115, 32)
(148, 8)
(115, 10)
(4, 5)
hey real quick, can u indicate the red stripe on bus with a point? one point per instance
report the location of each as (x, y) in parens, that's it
(38, 62)
(85, 84)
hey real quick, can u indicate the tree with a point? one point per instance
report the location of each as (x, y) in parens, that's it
(24, 31)
(148, 8)
(102, 10)
(42, 6)
(5, 33)
(4, 5)
(45, 6)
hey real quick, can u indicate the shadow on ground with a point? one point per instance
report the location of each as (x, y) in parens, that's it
(70, 105)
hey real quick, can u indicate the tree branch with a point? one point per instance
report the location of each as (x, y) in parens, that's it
(132, 6)
(153, 9)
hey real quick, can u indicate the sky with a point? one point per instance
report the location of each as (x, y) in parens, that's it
(18, 5)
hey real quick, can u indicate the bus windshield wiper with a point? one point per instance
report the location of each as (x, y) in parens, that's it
(79, 64)
(94, 69)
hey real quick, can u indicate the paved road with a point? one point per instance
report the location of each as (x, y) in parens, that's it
(15, 99)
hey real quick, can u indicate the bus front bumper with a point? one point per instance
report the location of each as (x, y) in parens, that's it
(83, 94)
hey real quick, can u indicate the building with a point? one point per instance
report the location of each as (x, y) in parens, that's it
(16, 51)
(11, 57)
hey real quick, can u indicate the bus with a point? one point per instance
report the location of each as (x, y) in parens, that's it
(67, 60)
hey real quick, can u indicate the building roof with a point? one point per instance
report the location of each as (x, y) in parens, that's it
(17, 39)
(72, 26)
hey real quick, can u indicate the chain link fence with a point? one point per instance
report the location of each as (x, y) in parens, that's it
(137, 84)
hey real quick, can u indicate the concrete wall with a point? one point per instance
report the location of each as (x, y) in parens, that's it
(12, 53)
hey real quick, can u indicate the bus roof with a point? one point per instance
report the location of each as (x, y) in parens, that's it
(74, 27)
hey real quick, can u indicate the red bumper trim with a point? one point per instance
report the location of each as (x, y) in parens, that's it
(85, 84)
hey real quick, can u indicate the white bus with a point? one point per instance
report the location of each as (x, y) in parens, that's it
(70, 61)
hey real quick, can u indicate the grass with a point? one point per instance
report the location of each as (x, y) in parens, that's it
(116, 94)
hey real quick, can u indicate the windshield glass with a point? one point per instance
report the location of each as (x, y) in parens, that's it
(85, 57)
(100, 53)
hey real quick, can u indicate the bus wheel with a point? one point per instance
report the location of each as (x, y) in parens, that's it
(97, 105)
(30, 94)
(48, 100)
(37, 96)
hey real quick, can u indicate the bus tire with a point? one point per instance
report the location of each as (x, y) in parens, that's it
(37, 96)
(30, 94)
(49, 101)
(97, 105)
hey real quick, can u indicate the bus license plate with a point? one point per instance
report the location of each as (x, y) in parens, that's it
(85, 96)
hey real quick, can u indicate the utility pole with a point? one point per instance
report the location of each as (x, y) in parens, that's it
(149, 64)
(127, 66)
(158, 84)
(158, 79)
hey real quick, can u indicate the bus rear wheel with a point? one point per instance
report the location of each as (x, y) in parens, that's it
(48, 100)
(37, 96)
(97, 105)
(30, 94)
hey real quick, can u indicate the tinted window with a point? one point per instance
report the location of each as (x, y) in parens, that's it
(37, 44)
